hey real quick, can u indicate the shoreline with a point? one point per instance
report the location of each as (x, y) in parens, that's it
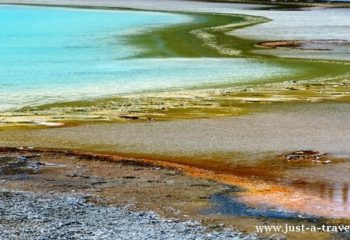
(127, 183)
(187, 104)
(222, 158)
(77, 173)
(230, 136)
(43, 178)
(179, 193)
(306, 85)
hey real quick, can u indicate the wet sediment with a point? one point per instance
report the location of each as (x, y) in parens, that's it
(213, 199)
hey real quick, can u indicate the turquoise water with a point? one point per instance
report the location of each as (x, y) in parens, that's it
(58, 54)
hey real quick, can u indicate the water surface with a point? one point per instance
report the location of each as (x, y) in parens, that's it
(288, 24)
(59, 54)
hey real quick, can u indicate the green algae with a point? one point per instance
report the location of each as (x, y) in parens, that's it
(207, 36)
(184, 40)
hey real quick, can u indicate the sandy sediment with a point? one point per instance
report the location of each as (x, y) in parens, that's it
(230, 150)
(186, 104)
(85, 184)
(316, 126)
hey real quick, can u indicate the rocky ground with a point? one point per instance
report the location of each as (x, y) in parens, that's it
(26, 215)
(66, 195)
(60, 194)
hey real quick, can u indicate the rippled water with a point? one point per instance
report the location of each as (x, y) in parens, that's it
(58, 54)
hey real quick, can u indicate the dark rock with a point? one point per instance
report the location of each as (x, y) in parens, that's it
(129, 117)
(304, 155)
(129, 177)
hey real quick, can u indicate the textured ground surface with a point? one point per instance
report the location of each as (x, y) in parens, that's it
(320, 126)
(27, 215)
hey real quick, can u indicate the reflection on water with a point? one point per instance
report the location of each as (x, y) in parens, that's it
(336, 195)
(300, 186)
(228, 205)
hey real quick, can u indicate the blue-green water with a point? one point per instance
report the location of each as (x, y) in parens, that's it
(58, 54)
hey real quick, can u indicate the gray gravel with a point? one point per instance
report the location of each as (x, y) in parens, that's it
(26, 215)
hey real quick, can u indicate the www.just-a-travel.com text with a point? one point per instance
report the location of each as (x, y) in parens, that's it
(302, 228)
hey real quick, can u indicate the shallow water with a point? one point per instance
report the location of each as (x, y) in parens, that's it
(228, 205)
(310, 24)
(287, 24)
(58, 54)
